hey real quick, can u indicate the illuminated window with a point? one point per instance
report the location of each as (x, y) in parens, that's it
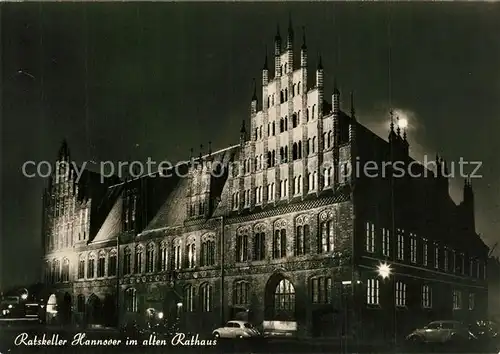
(426, 296)
(284, 297)
(206, 297)
(401, 244)
(127, 261)
(326, 236)
(112, 263)
(81, 267)
(386, 242)
(425, 256)
(101, 264)
(413, 248)
(163, 261)
(400, 294)
(138, 259)
(150, 258)
(279, 243)
(177, 256)
(65, 270)
(370, 237)
(191, 254)
(91, 266)
(131, 300)
(372, 292)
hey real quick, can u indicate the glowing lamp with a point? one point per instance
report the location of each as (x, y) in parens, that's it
(24, 296)
(179, 304)
(384, 270)
(160, 315)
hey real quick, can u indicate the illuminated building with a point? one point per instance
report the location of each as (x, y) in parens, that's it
(272, 229)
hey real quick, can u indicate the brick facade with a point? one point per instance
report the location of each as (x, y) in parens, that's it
(221, 238)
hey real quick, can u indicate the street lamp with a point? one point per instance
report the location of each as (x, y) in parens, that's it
(384, 270)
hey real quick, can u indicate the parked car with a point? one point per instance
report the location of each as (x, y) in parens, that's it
(236, 329)
(442, 332)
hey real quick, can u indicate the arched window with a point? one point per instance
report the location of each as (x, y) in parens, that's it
(65, 270)
(298, 88)
(286, 123)
(284, 297)
(240, 293)
(286, 91)
(189, 298)
(101, 263)
(81, 267)
(241, 245)
(177, 254)
(295, 153)
(313, 147)
(299, 149)
(274, 128)
(259, 246)
(282, 125)
(330, 139)
(269, 159)
(131, 300)
(301, 235)
(208, 251)
(127, 261)
(286, 67)
(112, 263)
(91, 266)
(327, 177)
(307, 114)
(279, 241)
(80, 303)
(294, 120)
(56, 270)
(206, 297)
(326, 232)
(313, 111)
(138, 259)
(163, 261)
(150, 258)
(191, 254)
(282, 97)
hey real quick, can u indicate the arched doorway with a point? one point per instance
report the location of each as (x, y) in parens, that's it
(279, 299)
(94, 310)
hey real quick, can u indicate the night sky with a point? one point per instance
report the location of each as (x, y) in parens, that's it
(130, 81)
